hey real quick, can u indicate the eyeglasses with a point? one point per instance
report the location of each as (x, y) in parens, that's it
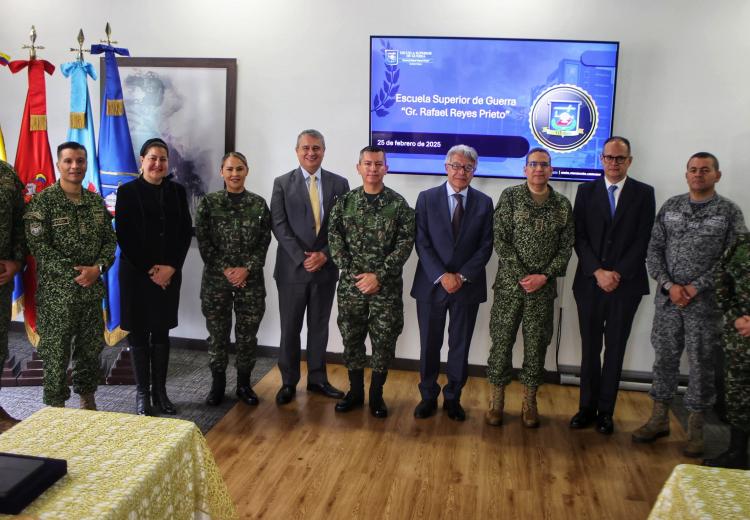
(537, 164)
(619, 159)
(468, 168)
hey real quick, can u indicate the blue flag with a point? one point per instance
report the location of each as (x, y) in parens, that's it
(117, 166)
(81, 119)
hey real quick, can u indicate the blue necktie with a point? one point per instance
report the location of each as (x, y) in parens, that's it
(612, 206)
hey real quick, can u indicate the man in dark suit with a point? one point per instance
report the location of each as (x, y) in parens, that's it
(454, 242)
(613, 219)
(305, 276)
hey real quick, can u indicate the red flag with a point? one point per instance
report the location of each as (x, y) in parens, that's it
(34, 166)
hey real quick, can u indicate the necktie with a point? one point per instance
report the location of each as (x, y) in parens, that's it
(315, 202)
(458, 215)
(612, 206)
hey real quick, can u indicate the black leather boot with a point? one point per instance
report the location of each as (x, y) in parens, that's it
(142, 374)
(736, 456)
(355, 397)
(244, 391)
(377, 405)
(159, 367)
(218, 386)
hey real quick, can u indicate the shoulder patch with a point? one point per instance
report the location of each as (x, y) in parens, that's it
(35, 228)
(33, 215)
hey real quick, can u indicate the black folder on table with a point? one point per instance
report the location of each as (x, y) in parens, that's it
(24, 477)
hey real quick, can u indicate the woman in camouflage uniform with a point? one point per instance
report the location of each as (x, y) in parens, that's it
(233, 227)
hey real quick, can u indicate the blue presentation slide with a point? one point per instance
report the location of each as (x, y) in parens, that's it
(501, 96)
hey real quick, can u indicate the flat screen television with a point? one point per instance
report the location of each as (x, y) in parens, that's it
(501, 96)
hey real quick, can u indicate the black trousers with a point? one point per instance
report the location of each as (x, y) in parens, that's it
(607, 316)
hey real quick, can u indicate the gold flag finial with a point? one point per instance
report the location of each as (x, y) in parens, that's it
(33, 47)
(80, 50)
(108, 32)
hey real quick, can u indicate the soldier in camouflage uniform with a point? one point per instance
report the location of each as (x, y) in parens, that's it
(534, 236)
(690, 234)
(12, 255)
(733, 296)
(70, 235)
(233, 227)
(371, 235)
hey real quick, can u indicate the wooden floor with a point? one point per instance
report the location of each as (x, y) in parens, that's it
(305, 461)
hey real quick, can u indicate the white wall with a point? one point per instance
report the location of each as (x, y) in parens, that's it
(682, 88)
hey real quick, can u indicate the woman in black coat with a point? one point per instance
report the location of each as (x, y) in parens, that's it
(154, 230)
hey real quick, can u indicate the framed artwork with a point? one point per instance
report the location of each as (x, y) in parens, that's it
(191, 104)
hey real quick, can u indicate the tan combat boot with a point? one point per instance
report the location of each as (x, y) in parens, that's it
(529, 411)
(494, 416)
(88, 402)
(6, 421)
(694, 446)
(656, 426)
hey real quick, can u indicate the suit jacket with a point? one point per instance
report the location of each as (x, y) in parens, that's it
(618, 243)
(439, 253)
(293, 226)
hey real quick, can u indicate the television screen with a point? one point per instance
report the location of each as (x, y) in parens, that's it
(501, 96)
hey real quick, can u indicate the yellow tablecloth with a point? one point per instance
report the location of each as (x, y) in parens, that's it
(122, 466)
(704, 493)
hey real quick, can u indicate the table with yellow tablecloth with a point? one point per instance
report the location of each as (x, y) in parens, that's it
(704, 493)
(122, 466)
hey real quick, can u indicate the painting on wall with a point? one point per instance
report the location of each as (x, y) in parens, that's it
(189, 103)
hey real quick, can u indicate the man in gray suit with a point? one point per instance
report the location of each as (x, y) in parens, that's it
(305, 276)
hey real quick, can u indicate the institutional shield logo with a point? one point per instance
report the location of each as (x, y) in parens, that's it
(563, 118)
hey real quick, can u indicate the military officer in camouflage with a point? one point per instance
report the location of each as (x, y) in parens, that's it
(534, 236)
(233, 227)
(690, 234)
(371, 235)
(12, 255)
(70, 235)
(733, 296)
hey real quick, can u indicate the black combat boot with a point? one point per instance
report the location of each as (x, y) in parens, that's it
(377, 405)
(159, 367)
(244, 391)
(218, 386)
(142, 373)
(355, 397)
(736, 456)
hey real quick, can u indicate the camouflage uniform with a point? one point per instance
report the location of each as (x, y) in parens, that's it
(371, 237)
(687, 242)
(63, 234)
(530, 238)
(233, 234)
(733, 296)
(12, 243)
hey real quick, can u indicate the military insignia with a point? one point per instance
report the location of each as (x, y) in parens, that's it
(33, 215)
(564, 118)
(60, 221)
(35, 228)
